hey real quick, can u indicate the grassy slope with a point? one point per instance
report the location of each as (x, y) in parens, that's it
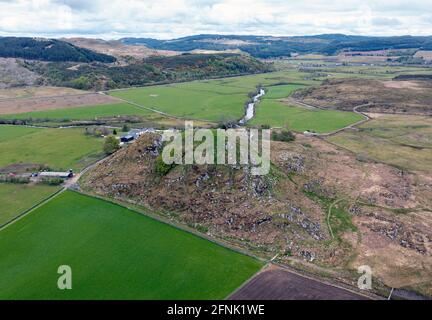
(16, 198)
(114, 253)
(299, 119)
(403, 141)
(83, 113)
(57, 148)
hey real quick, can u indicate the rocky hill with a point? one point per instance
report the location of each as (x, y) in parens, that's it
(318, 205)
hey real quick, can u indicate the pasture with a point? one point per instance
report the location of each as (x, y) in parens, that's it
(277, 114)
(281, 91)
(210, 100)
(402, 141)
(114, 253)
(16, 198)
(59, 149)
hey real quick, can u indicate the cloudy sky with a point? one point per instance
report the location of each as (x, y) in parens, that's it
(174, 18)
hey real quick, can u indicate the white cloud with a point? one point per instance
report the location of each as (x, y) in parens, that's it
(174, 18)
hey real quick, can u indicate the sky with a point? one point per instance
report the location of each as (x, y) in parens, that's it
(168, 19)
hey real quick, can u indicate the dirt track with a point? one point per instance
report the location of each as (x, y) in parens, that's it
(280, 284)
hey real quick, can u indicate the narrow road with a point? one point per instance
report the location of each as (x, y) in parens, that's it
(72, 183)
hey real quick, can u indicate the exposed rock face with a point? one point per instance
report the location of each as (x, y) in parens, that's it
(225, 200)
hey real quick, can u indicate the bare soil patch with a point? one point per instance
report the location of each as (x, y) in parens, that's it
(35, 92)
(280, 284)
(14, 106)
(427, 55)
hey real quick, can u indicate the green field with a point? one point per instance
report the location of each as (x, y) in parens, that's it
(59, 149)
(83, 113)
(114, 253)
(281, 91)
(209, 100)
(277, 114)
(16, 198)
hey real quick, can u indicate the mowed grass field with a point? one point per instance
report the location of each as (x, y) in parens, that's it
(277, 114)
(60, 149)
(84, 113)
(402, 141)
(114, 253)
(16, 198)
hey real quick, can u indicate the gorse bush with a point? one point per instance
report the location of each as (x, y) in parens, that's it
(284, 135)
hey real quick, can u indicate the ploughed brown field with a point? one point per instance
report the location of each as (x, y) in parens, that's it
(23, 105)
(279, 284)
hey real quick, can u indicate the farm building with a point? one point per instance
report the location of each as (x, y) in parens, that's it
(52, 174)
(127, 138)
(134, 134)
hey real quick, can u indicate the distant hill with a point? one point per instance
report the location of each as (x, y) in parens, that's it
(118, 49)
(153, 70)
(269, 46)
(48, 50)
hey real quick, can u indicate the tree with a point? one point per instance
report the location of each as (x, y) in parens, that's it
(114, 132)
(125, 128)
(111, 145)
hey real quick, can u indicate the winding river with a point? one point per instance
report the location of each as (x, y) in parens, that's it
(250, 110)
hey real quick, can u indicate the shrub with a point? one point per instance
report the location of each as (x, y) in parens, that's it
(52, 181)
(12, 179)
(285, 136)
(161, 167)
(111, 145)
(125, 128)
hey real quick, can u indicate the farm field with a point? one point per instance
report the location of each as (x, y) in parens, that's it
(40, 103)
(281, 91)
(84, 113)
(16, 198)
(114, 253)
(33, 92)
(60, 149)
(277, 114)
(279, 284)
(209, 100)
(402, 141)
